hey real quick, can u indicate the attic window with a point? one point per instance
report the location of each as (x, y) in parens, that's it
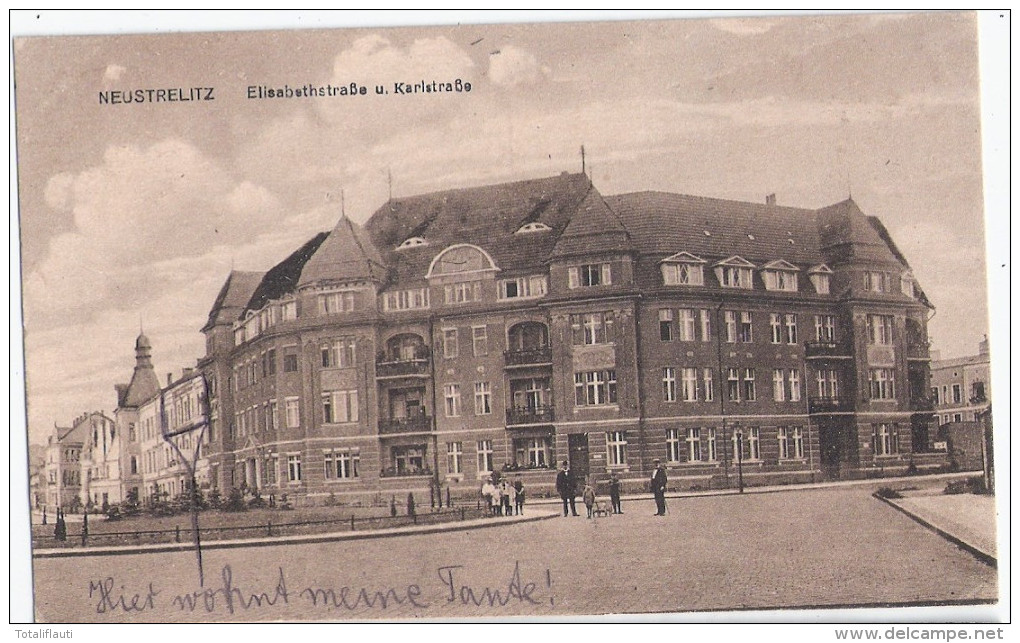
(780, 275)
(534, 226)
(907, 285)
(412, 242)
(819, 276)
(735, 272)
(683, 269)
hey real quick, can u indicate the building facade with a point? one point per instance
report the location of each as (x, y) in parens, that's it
(961, 387)
(511, 327)
(78, 462)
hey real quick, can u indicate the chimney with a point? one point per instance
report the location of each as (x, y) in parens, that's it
(983, 346)
(770, 199)
(188, 371)
(169, 379)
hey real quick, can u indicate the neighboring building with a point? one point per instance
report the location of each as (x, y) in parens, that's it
(961, 388)
(100, 462)
(512, 326)
(130, 397)
(37, 475)
(66, 475)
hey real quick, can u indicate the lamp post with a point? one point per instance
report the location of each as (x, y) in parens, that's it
(739, 435)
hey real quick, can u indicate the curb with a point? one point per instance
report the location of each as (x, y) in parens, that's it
(984, 557)
(478, 523)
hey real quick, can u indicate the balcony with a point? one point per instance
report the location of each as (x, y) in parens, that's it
(419, 423)
(415, 367)
(922, 404)
(528, 356)
(825, 349)
(408, 472)
(517, 415)
(829, 404)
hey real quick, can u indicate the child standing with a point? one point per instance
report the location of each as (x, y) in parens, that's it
(589, 498)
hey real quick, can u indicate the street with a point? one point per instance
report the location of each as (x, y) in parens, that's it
(804, 548)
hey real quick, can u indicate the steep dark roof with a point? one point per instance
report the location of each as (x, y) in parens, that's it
(283, 277)
(347, 254)
(593, 228)
(661, 223)
(843, 224)
(233, 296)
(486, 216)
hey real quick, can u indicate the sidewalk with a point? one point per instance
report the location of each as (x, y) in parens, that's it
(969, 520)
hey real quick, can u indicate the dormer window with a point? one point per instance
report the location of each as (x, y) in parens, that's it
(288, 310)
(780, 275)
(820, 276)
(683, 269)
(907, 285)
(412, 242)
(735, 272)
(592, 274)
(534, 226)
(876, 281)
(336, 302)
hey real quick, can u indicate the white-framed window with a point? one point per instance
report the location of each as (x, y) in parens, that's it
(462, 292)
(523, 287)
(957, 393)
(288, 310)
(595, 388)
(706, 325)
(666, 324)
(798, 443)
(790, 326)
(730, 317)
(778, 385)
(884, 437)
(825, 328)
(875, 281)
(821, 283)
(683, 274)
(483, 398)
(410, 299)
(451, 395)
(339, 353)
(689, 390)
(776, 324)
(749, 390)
(880, 330)
(616, 445)
(484, 450)
(293, 412)
(479, 341)
(733, 384)
(294, 467)
(708, 383)
(745, 333)
(590, 328)
(793, 375)
(710, 446)
(753, 444)
(883, 384)
(688, 324)
(336, 302)
(734, 277)
(784, 443)
(907, 286)
(673, 445)
(693, 440)
(780, 280)
(339, 407)
(454, 457)
(273, 415)
(450, 349)
(290, 359)
(533, 451)
(592, 274)
(341, 464)
(828, 383)
(669, 384)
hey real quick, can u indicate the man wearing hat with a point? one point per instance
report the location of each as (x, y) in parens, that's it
(659, 487)
(565, 487)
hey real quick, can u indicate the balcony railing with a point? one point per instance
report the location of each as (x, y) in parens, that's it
(419, 423)
(828, 348)
(393, 472)
(527, 356)
(529, 415)
(921, 404)
(829, 404)
(402, 367)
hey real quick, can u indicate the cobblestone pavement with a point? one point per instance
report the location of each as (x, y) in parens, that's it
(790, 549)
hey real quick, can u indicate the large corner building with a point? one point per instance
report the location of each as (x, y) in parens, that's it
(510, 327)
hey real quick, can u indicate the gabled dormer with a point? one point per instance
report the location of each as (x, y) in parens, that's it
(735, 272)
(534, 226)
(820, 276)
(412, 242)
(683, 269)
(780, 275)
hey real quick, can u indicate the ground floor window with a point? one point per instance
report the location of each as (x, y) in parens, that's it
(693, 445)
(798, 443)
(673, 445)
(533, 452)
(484, 449)
(454, 457)
(408, 459)
(616, 444)
(884, 438)
(341, 464)
(294, 467)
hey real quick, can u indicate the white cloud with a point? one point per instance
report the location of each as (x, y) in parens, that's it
(510, 66)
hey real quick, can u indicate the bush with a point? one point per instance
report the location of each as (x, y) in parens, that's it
(888, 493)
(968, 485)
(131, 506)
(235, 502)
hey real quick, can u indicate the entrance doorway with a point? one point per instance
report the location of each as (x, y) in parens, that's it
(577, 446)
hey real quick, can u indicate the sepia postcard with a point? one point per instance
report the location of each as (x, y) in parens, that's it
(530, 317)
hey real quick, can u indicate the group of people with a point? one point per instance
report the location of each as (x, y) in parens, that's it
(504, 498)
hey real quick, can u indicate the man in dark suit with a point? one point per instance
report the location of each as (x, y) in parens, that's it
(659, 488)
(565, 487)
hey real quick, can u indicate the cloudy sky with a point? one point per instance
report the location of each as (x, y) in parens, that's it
(136, 213)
